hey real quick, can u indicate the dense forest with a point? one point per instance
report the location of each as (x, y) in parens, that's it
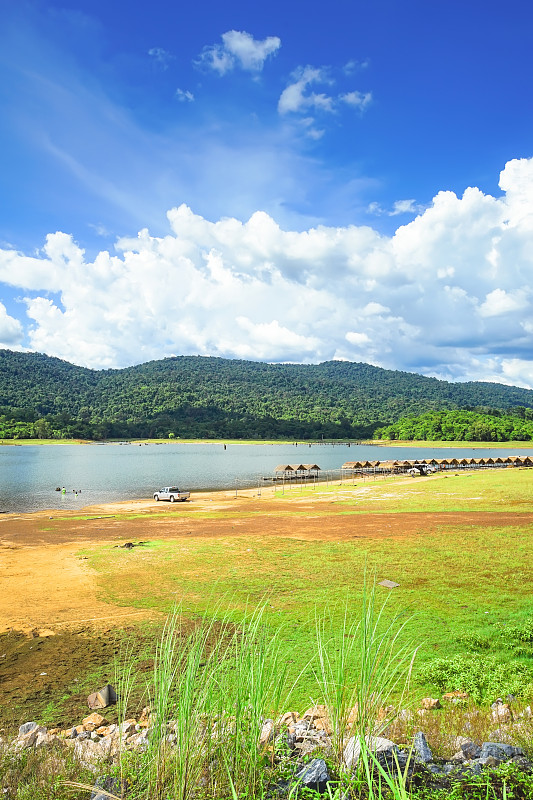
(515, 424)
(204, 397)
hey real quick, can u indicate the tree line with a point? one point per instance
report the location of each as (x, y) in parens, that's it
(205, 397)
(463, 426)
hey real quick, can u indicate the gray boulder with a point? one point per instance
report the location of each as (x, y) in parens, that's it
(499, 750)
(422, 749)
(376, 744)
(105, 786)
(28, 727)
(470, 749)
(314, 775)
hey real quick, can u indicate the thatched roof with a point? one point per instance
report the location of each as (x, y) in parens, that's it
(297, 468)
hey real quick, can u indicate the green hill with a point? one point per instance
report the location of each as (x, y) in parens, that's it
(203, 397)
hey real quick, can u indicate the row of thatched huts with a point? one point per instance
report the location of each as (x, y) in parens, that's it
(435, 464)
(420, 465)
(297, 470)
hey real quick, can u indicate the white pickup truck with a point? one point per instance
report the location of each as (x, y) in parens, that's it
(171, 493)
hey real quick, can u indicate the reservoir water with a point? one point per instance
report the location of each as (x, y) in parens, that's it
(108, 473)
(29, 474)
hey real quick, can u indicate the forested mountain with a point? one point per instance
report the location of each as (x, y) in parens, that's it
(204, 397)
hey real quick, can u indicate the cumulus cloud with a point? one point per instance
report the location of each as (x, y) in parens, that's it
(238, 49)
(11, 331)
(449, 294)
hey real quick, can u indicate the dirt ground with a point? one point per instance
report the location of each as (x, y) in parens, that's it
(46, 588)
(56, 635)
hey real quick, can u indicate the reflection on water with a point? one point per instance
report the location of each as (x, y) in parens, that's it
(30, 474)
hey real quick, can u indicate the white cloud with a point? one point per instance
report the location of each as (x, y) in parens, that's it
(353, 66)
(238, 49)
(399, 207)
(296, 96)
(449, 294)
(184, 96)
(359, 100)
(358, 339)
(11, 331)
(161, 58)
(500, 302)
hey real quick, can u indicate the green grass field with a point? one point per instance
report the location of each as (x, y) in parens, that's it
(458, 584)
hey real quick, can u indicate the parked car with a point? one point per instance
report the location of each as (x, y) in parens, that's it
(171, 493)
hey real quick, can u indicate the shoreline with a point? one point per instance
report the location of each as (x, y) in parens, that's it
(417, 443)
(441, 444)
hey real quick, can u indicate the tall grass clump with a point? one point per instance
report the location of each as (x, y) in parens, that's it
(181, 702)
(210, 691)
(250, 684)
(364, 664)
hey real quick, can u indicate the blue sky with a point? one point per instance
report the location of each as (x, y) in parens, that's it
(312, 181)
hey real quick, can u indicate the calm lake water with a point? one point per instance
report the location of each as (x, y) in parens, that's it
(107, 473)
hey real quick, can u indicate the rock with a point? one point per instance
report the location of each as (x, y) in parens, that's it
(459, 757)
(527, 713)
(501, 713)
(323, 724)
(422, 748)
(109, 785)
(127, 728)
(470, 749)
(267, 732)
(96, 720)
(27, 727)
(290, 718)
(377, 744)
(430, 703)
(499, 750)
(103, 698)
(455, 697)
(314, 776)
(89, 753)
(28, 734)
(315, 712)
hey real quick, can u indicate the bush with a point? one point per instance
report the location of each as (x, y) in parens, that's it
(472, 641)
(518, 638)
(483, 677)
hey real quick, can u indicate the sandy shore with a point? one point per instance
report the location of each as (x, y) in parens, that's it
(46, 586)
